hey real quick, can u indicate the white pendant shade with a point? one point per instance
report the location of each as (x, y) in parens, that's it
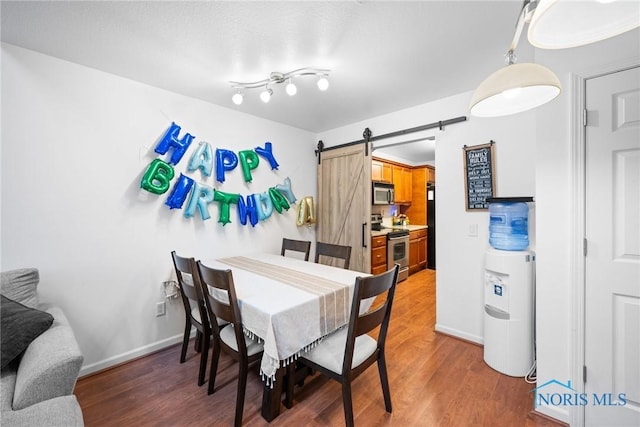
(514, 89)
(558, 24)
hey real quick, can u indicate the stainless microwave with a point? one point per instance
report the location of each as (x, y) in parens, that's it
(383, 193)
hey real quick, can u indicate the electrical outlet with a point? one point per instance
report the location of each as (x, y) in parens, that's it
(161, 309)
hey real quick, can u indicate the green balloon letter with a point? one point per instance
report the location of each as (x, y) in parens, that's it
(157, 177)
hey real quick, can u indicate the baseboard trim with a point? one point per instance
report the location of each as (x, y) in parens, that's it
(535, 414)
(455, 333)
(129, 356)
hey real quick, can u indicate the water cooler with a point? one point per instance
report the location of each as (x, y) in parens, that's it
(509, 292)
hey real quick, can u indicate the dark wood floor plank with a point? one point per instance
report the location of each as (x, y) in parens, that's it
(435, 380)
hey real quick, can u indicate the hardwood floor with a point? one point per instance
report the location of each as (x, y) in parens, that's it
(435, 380)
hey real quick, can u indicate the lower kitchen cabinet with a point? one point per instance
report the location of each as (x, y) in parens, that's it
(378, 254)
(417, 250)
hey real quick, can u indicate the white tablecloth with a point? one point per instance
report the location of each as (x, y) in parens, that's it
(288, 318)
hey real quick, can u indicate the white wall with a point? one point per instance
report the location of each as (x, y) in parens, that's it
(75, 144)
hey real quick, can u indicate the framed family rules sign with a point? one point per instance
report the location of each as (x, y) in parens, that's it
(479, 176)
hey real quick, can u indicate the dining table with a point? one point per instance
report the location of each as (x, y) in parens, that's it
(289, 305)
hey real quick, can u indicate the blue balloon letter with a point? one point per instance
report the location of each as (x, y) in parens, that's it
(267, 153)
(202, 159)
(170, 139)
(248, 210)
(201, 196)
(180, 192)
(226, 160)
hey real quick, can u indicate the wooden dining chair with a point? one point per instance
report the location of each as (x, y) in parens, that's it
(333, 251)
(303, 246)
(195, 311)
(222, 302)
(347, 353)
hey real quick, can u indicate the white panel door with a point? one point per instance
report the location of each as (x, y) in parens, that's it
(612, 265)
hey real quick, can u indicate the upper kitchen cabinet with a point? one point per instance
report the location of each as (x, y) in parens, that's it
(402, 179)
(381, 171)
(421, 175)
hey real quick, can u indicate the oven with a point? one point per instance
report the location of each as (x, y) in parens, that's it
(398, 252)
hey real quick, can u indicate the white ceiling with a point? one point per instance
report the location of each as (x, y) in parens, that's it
(383, 56)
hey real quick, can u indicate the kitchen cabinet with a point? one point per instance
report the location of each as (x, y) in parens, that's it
(432, 175)
(417, 212)
(381, 171)
(378, 254)
(402, 183)
(417, 250)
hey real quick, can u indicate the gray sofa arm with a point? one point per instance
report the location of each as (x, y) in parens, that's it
(61, 411)
(50, 366)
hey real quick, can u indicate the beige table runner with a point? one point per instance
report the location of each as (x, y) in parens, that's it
(333, 296)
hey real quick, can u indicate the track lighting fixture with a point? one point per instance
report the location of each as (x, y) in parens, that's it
(276, 78)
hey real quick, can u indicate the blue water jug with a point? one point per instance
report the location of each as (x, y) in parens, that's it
(509, 226)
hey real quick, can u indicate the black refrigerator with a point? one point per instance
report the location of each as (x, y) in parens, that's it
(431, 225)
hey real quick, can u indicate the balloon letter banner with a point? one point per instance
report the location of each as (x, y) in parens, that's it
(225, 200)
(248, 209)
(179, 192)
(202, 159)
(249, 161)
(267, 153)
(201, 196)
(226, 160)
(170, 139)
(157, 177)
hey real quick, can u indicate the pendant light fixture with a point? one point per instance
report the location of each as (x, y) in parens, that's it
(276, 78)
(558, 24)
(516, 87)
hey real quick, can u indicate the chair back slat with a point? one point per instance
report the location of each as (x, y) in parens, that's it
(302, 246)
(222, 301)
(370, 320)
(328, 250)
(189, 284)
(382, 285)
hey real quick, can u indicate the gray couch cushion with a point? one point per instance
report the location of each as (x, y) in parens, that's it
(50, 365)
(21, 285)
(20, 326)
(61, 411)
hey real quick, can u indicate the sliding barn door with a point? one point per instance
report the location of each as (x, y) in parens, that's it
(344, 202)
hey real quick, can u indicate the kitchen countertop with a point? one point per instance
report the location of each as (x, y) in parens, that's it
(411, 227)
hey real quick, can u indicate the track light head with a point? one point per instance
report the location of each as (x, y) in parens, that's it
(265, 95)
(291, 88)
(323, 83)
(237, 98)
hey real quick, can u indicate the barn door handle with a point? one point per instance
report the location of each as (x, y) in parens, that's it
(364, 229)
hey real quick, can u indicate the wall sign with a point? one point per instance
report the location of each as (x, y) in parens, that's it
(479, 183)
